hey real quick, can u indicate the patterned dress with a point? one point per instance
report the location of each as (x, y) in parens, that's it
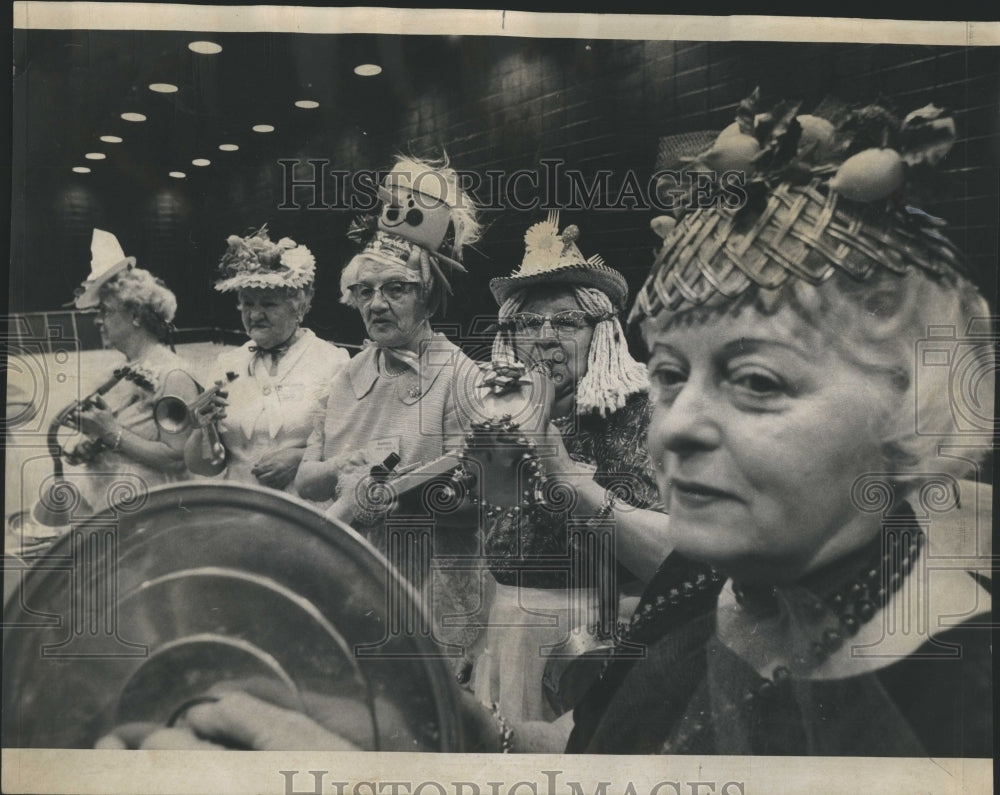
(547, 566)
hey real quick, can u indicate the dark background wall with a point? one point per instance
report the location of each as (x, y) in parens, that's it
(492, 103)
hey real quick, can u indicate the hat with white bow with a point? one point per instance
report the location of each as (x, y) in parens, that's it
(107, 260)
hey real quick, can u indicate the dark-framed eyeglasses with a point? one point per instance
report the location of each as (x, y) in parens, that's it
(393, 291)
(563, 324)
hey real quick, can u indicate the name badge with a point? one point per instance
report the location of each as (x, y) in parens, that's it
(380, 449)
(291, 391)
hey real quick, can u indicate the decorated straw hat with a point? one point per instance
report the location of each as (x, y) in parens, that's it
(107, 260)
(257, 261)
(551, 257)
(820, 198)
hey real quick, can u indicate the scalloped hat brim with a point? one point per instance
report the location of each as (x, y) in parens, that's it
(263, 281)
(604, 278)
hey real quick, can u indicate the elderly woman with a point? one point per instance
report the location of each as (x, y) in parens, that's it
(795, 438)
(794, 430)
(134, 315)
(400, 397)
(558, 311)
(282, 373)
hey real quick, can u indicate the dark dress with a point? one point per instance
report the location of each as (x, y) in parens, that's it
(692, 695)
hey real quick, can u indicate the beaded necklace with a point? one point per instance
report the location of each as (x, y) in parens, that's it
(854, 599)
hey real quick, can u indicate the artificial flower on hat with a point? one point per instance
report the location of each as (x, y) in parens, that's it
(553, 256)
(257, 261)
(107, 260)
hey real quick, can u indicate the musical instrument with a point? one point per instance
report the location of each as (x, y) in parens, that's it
(43, 512)
(220, 586)
(172, 415)
(62, 418)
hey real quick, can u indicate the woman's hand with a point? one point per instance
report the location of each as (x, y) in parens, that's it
(560, 464)
(277, 468)
(353, 478)
(95, 420)
(319, 480)
(235, 720)
(83, 452)
(214, 409)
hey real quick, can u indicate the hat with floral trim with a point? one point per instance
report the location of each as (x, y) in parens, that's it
(551, 257)
(257, 261)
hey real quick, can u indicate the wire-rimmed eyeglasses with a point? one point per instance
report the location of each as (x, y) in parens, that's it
(563, 324)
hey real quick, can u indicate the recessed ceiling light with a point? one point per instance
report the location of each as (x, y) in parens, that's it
(81, 169)
(308, 104)
(228, 147)
(111, 139)
(367, 70)
(163, 88)
(178, 174)
(95, 155)
(262, 128)
(205, 47)
(201, 161)
(133, 116)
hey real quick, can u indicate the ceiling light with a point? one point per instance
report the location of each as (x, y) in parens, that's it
(367, 70)
(81, 169)
(205, 47)
(228, 147)
(262, 128)
(307, 104)
(163, 88)
(133, 117)
(95, 155)
(201, 161)
(178, 174)
(111, 139)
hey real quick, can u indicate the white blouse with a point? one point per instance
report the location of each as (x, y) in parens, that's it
(273, 412)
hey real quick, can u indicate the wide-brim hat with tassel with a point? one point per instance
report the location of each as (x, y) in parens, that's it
(554, 258)
(107, 260)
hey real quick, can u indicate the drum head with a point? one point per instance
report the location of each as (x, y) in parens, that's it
(198, 588)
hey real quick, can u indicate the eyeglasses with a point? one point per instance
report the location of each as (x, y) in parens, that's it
(390, 291)
(564, 324)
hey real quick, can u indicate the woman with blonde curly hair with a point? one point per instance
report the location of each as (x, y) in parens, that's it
(135, 311)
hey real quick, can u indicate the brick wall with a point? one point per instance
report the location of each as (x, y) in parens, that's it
(604, 104)
(505, 104)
